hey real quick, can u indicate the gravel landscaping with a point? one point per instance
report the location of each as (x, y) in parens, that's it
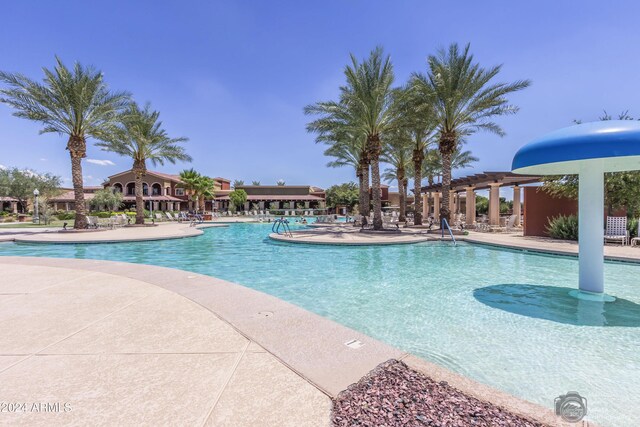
(395, 395)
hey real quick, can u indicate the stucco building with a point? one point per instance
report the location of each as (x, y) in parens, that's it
(161, 191)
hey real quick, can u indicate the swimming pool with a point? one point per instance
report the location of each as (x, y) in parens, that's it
(500, 317)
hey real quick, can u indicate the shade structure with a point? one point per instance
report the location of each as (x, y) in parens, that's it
(588, 150)
(615, 144)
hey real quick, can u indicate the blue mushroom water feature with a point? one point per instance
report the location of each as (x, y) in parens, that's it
(587, 150)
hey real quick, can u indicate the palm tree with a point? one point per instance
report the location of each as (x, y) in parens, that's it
(432, 166)
(203, 190)
(238, 183)
(255, 183)
(417, 120)
(280, 183)
(75, 103)
(464, 99)
(141, 137)
(349, 150)
(364, 109)
(397, 153)
(190, 178)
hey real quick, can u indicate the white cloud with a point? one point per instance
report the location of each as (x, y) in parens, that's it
(3, 167)
(43, 159)
(101, 162)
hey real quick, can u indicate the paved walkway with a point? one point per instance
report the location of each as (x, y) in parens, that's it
(122, 351)
(543, 244)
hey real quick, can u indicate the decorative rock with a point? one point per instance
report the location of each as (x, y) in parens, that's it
(393, 395)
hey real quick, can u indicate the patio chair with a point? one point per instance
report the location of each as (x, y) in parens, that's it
(616, 230)
(158, 216)
(92, 221)
(169, 216)
(510, 226)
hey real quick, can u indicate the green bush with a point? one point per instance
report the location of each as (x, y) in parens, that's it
(10, 219)
(4, 213)
(103, 214)
(632, 226)
(563, 227)
(65, 216)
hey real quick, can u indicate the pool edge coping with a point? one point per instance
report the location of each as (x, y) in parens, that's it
(530, 249)
(207, 291)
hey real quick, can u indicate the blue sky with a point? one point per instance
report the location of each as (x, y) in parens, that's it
(233, 76)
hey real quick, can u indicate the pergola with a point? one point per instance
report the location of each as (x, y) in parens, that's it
(470, 184)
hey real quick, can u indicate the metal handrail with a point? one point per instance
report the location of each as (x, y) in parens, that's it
(444, 223)
(285, 227)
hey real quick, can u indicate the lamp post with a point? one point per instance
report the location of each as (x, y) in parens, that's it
(36, 218)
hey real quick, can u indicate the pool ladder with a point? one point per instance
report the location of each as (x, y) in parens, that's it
(444, 224)
(285, 227)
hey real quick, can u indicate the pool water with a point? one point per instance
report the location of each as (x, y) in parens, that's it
(498, 316)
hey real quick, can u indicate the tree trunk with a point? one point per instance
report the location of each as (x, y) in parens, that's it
(139, 170)
(400, 173)
(375, 147)
(405, 185)
(77, 147)
(418, 158)
(360, 189)
(447, 146)
(401, 216)
(366, 208)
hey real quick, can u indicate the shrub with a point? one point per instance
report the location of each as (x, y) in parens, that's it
(65, 216)
(563, 227)
(632, 226)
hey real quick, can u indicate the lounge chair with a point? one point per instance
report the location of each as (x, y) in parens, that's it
(169, 216)
(616, 230)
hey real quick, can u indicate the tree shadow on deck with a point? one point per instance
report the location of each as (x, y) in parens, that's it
(555, 304)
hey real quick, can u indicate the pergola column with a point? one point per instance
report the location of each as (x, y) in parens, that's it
(457, 202)
(471, 206)
(452, 204)
(55, 206)
(425, 206)
(14, 207)
(516, 204)
(494, 203)
(436, 206)
(66, 206)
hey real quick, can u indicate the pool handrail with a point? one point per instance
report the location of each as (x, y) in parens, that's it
(285, 227)
(444, 223)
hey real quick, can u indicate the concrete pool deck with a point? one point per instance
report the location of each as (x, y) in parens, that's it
(136, 344)
(122, 351)
(516, 241)
(161, 231)
(350, 236)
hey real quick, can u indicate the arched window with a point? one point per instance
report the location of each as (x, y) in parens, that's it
(117, 187)
(167, 191)
(145, 189)
(131, 189)
(156, 189)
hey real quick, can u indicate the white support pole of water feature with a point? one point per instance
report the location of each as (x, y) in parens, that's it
(591, 232)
